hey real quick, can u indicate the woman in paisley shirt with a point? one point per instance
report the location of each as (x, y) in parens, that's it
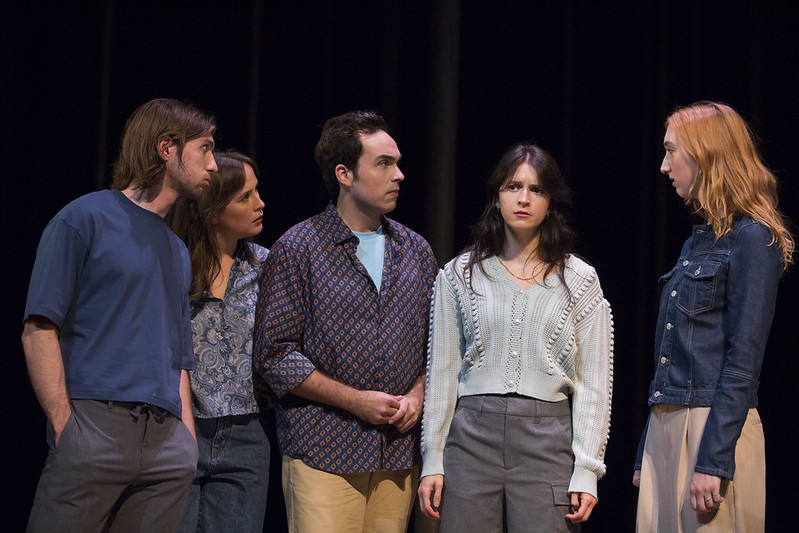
(230, 488)
(701, 463)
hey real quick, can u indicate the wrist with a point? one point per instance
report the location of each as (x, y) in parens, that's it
(351, 400)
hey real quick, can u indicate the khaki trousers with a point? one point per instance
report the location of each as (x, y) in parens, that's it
(378, 502)
(670, 452)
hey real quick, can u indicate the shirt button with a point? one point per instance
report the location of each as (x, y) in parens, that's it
(511, 384)
(668, 325)
(658, 394)
(517, 321)
(673, 294)
(686, 263)
(663, 360)
(515, 354)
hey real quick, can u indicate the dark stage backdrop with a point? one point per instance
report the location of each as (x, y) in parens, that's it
(590, 81)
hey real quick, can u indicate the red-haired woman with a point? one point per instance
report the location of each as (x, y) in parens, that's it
(701, 463)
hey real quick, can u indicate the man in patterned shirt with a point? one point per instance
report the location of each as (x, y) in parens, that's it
(340, 337)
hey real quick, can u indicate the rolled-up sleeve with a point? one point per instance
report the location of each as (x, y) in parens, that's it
(280, 321)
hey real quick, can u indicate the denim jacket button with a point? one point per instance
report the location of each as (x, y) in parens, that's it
(673, 294)
(663, 360)
(686, 263)
(658, 394)
(668, 325)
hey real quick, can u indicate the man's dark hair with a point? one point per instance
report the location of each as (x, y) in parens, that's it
(340, 144)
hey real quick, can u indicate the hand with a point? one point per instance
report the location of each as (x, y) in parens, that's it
(430, 488)
(584, 504)
(705, 493)
(375, 407)
(407, 415)
(59, 421)
(637, 479)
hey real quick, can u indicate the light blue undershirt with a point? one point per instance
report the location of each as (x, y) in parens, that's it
(370, 252)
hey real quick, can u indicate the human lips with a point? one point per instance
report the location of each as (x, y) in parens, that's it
(523, 214)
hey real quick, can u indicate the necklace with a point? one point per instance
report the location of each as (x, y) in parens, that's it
(531, 278)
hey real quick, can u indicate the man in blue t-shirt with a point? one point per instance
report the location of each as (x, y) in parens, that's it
(107, 336)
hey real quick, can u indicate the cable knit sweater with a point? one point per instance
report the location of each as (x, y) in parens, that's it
(491, 337)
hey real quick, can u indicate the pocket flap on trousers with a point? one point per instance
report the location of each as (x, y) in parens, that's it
(560, 494)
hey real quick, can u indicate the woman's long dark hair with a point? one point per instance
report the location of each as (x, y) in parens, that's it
(556, 238)
(191, 220)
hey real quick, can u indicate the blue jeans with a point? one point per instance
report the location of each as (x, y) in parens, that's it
(229, 491)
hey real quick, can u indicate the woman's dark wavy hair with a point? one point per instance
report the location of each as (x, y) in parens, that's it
(192, 220)
(556, 238)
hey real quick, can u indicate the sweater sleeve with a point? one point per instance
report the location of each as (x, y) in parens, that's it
(591, 402)
(443, 366)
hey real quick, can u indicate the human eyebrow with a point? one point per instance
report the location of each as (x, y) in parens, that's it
(250, 190)
(387, 158)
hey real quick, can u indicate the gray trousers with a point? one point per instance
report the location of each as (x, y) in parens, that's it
(507, 457)
(115, 471)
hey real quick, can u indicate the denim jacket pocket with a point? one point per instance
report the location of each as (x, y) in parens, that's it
(698, 287)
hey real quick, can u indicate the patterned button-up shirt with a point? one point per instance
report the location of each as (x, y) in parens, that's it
(319, 309)
(221, 383)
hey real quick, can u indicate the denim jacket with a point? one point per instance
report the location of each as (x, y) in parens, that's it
(715, 314)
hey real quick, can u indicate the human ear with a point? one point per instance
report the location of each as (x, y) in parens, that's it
(165, 144)
(343, 175)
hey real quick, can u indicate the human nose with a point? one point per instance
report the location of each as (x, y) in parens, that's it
(524, 197)
(259, 204)
(665, 167)
(399, 176)
(211, 164)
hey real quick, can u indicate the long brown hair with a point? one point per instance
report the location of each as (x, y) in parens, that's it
(733, 180)
(139, 162)
(192, 220)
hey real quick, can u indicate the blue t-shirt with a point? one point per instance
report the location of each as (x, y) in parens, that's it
(371, 246)
(115, 280)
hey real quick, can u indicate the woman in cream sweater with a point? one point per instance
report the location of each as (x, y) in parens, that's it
(519, 378)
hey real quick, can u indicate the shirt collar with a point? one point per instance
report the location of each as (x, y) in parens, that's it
(340, 232)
